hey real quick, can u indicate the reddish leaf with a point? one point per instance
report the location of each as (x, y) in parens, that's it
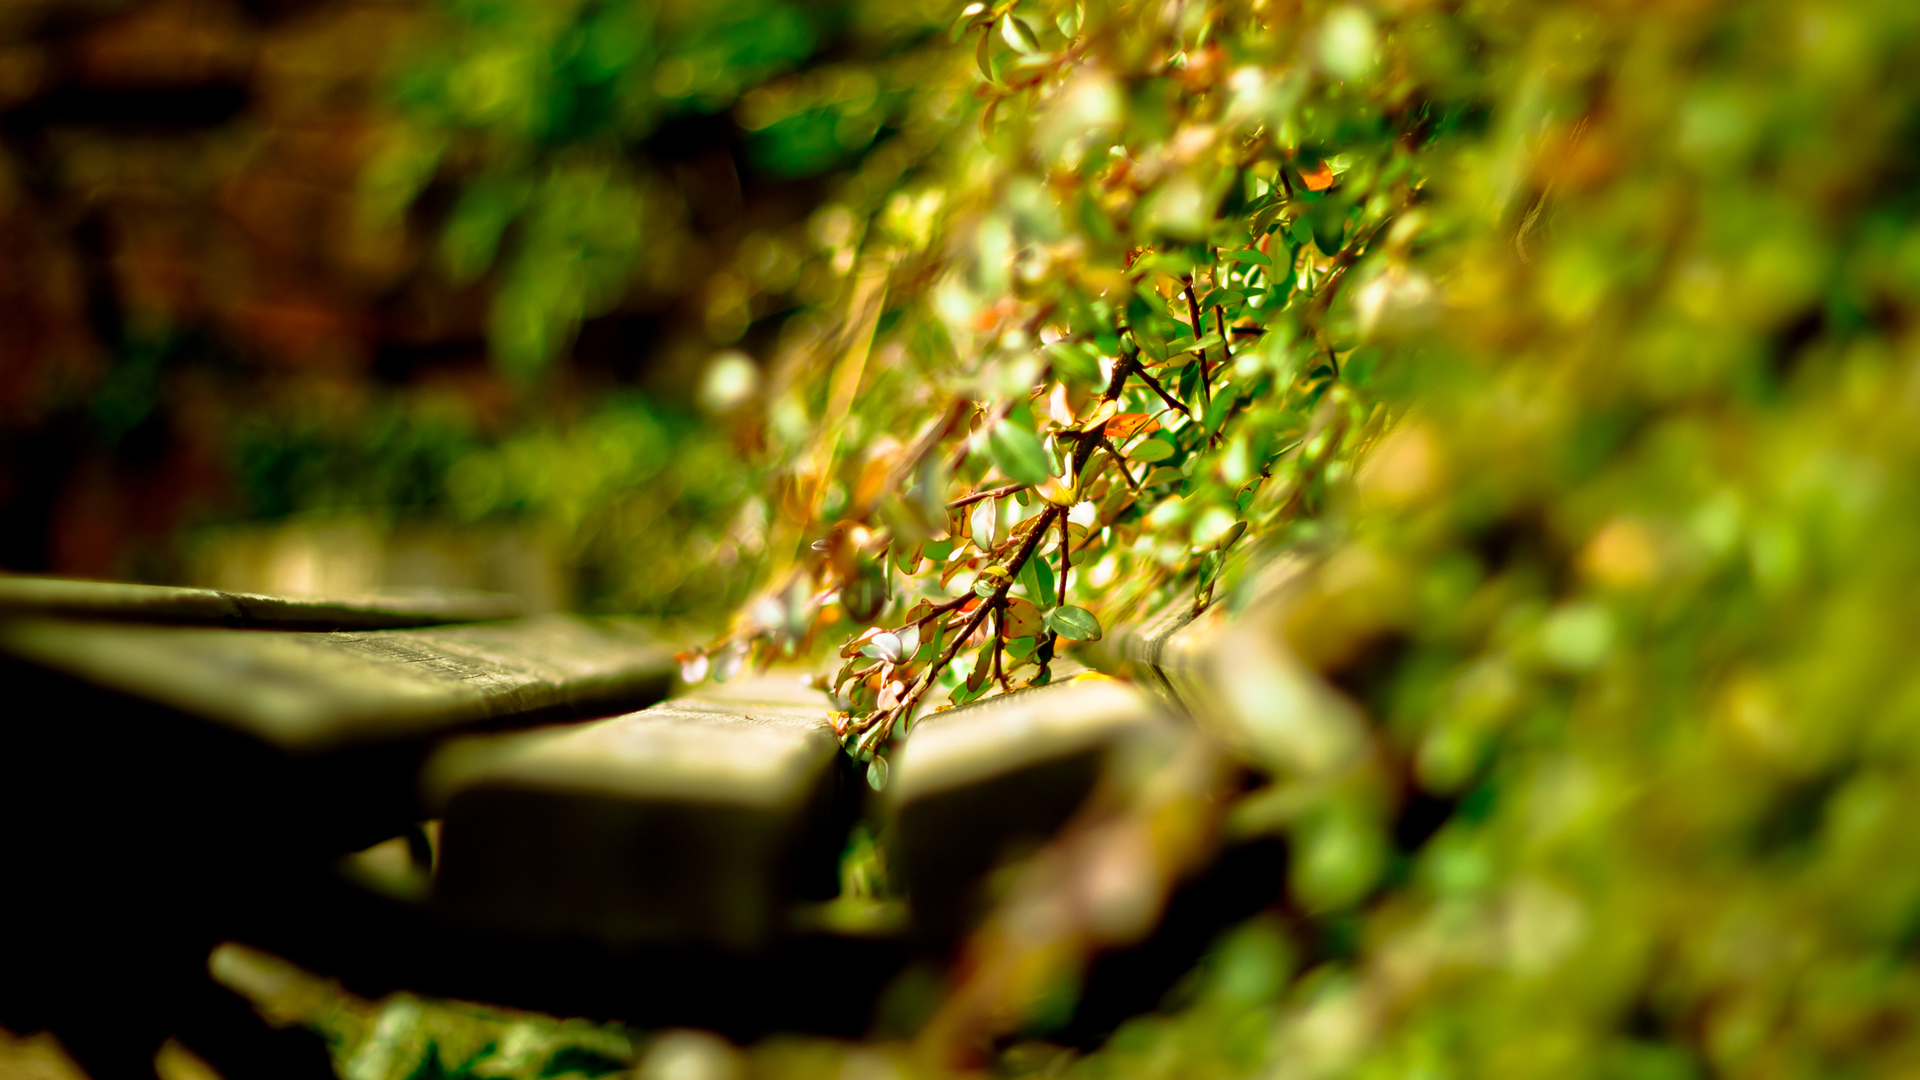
(1023, 618)
(1127, 425)
(1316, 175)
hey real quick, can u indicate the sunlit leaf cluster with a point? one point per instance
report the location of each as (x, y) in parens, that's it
(1566, 352)
(1088, 346)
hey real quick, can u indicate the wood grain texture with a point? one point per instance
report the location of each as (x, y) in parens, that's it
(309, 693)
(700, 820)
(976, 785)
(126, 602)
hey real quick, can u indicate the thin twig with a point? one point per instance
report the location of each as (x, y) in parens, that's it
(1226, 357)
(940, 609)
(1114, 453)
(1000, 642)
(990, 493)
(1193, 317)
(1066, 563)
(1154, 384)
(881, 727)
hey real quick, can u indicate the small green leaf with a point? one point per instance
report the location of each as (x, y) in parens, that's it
(1074, 623)
(1017, 452)
(1039, 587)
(1210, 340)
(1019, 35)
(1217, 410)
(967, 15)
(1170, 263)
(1150, 451)
(877, 773)
(983, 587)
(1250, 255)
(1076, 359)
(1328, 223)
(1277, 296)
(864, 596)
(906, 557)
(982, 667)
(980, 54)
(1209, 568)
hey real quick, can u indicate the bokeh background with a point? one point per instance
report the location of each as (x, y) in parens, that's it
(333, 295)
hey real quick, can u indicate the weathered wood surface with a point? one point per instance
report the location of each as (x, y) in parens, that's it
(1229, 669)
(977, 785)
(700, 820)
(120, 601)
(307, 693)
(168, 787)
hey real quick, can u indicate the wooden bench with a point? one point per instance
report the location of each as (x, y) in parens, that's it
(1231, 675)
(977, 785)
(168, 786)
(121, 602)
(701, 820)
(188, 767)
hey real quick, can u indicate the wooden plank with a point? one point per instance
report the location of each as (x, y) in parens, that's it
(121, 601)
(165, 788)
(310, 693)
(698, 821)
(1228, 670)
(977, 785)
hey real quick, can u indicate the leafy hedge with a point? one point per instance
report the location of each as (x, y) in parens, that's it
(1572, 342)
(1569, 342)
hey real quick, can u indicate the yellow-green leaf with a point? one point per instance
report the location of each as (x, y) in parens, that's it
(1074, 623)
(1151, 450)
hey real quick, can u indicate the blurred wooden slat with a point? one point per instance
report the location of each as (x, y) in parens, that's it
(698, 821)
(1230, 671)
(169, 787)
(120, 601)
(977, 785)
(307, 693)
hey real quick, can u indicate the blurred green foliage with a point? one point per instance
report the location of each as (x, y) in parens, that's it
(1582, 392)
(423, 262)
(1570, 354)
(550, 121)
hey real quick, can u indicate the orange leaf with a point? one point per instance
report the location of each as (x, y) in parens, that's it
(1318, 176)
(1127, 425)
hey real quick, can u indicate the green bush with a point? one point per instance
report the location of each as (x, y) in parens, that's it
(1569, 346)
